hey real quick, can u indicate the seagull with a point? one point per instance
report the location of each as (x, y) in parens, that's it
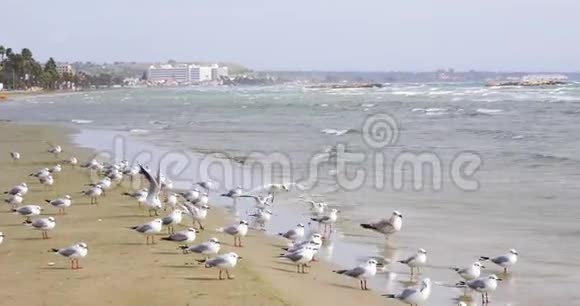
(238, 231)
(202, 200)
(93, 165)
(105, 184)
(416, 261)
(28, 211)
(94, 192)
(56, 169)
(47, 181)
(73, 161)
(61, 203)
(197, 213)
(294, 234)
(74, 253)
(41, 172)
(483, 285)
(56, 150)
(152, 201)
(234, 194)
(224, 262)
(131, 172)
(14, 200)
(140, 195)
(191, 196)
(171, 200)
(262, 216)
(15, 156)
(1, 237)
(261, 202)
(186, 236)
(149, 229)
(172, 219)
(21, 188)
(315, 242)
(471, 272)
(207, 185)
(44, 225)
(273, 189)
(211, 247)
(301, 257)
(386, 226)
(362, 272)
(413, 296)
(317, 208)
(504, 261)
(328, 220)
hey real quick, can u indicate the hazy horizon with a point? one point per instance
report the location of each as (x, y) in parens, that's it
(369, 35)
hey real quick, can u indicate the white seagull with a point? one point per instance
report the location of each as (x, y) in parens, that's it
(262, 217)
(44, 225)
(28, 211)
(15, 156)
(47, 181)
(186, 236)
(237, 231)
(149, 229)
(471, 272)
(504, 261)
(56, 150)
(139, 195)
(328, 220)
(196, 213)
(208, 248)
(61, 203)
(416, 261)
(94, 192)
(224, 262)
(171, 201)
(413, 296)
(152, 201)
(55, 170)
(295, 233)
(386, 226)
(173, 218)
(14, 200)
(21, 188)
(362, 272)
(301, 257)
(74, 253)
(483, 285)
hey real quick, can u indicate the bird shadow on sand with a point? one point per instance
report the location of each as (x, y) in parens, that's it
(184, 266)
(131, 243)
(30, 238)
(344, 286)
(286, 270)
(55, 268)
(167, 253)
(202, 278)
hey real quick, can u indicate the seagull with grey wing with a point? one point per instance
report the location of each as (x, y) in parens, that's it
(386, 226)
(152, 201)
(28, 211)
(197, 213)
(44, 225)
(74, 253)
(416, 261)
(21, 188)
(483, 285)
(413, 296)
(237, 231)
(224, 262)
(173, 218)
(504, 261)
(261, 201)
(362, 272)
(61, 203)
(149, 229)
(208, 248)
(14, 200)
(301, 257)
(184, 237)
(234, 194)
(295, 233)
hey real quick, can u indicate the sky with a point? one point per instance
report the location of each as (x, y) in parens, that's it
(339, 35)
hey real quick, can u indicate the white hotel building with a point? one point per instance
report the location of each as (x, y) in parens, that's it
(184, 73)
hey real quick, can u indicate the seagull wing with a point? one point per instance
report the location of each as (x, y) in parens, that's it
(153, 184)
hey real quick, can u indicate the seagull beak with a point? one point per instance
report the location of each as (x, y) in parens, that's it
(380, 265)
(239, 257)
(483, 267)
(499, 279)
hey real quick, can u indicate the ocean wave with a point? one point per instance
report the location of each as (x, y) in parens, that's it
(488, 110)
(81, 121)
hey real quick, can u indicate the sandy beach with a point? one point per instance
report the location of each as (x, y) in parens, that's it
(120, 269)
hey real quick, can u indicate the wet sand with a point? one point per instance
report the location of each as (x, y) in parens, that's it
(120, 269)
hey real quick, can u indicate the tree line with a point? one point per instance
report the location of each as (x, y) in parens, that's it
(20, 71)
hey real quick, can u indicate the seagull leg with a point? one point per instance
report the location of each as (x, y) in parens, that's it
(200, 225)
(361, 285)
(505, 270)
(228, 274)
(72, 266)
(298, 268)
(152, 239)
(366, 288)
(220, 275)
(240, 245)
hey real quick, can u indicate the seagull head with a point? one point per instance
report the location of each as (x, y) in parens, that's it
(397, 214)
(51, 219)
(67, 197)
(214, 240)
(193, 230)
(512, 251)
(234, 256)
(478, 264)
(422, 251)
(244, 222)
(300, 225)
(372, 262)
(158, 221)
(83, 245)
(493, 277)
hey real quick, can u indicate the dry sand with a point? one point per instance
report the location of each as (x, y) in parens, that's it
(120, 269)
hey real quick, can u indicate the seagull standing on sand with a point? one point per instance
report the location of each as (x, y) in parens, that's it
(41, 172)
(186, 236)
(140, 195)
(149, 229)
(171, 201)
(414, 296)
(73, 161)
(14, 200)
(152, 201)
(55, 170)
(416, 261)
(328, 220)
(483, 285)
(207, 185)
(94, 192)
(202, 200)
(74, 253)
(504, 261)
(56, 150)
(386, 226)
(197, 213)
(47, 181)
(28, 211)
(294, 234)
(21, 188)
(15, 156)
(234, 194)
(208, 248)
(262, 217)
(362, 272)
(237, 231)
(105, 184)
(174, 218)
(44, 225)
(61, 203)
(301, 257)
(191, 196)
(224, 262)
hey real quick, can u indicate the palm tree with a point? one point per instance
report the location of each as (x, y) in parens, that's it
(2, 52)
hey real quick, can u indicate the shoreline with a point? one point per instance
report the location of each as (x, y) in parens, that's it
(120, 269)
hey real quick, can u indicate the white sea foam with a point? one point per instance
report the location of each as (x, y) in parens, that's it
(81, 121)
(138, 131)
(488, 110)
(334, 132)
